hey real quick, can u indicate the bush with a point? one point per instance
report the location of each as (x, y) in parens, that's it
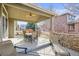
(31, 26)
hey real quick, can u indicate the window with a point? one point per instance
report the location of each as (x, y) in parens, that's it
(71, 27)
(71, 17)
(4, 24)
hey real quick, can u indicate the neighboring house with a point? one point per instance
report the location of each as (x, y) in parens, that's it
(77, 26)
(20, 27)
(45, 26)
(65, 23)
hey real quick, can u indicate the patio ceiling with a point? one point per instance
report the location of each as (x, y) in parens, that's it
(27, 12)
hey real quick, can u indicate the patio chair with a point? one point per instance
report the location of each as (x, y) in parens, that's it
(35, 35)
(25, 36)
(7, 49)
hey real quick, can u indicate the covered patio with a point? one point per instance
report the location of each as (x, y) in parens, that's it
(9, 13)
(23, 12)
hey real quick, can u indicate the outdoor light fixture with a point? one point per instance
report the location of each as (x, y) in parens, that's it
(31, 14)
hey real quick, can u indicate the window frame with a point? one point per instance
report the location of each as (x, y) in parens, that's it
(71, 27)
(71, 17)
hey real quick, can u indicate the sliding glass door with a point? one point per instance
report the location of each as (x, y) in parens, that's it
(4, 17)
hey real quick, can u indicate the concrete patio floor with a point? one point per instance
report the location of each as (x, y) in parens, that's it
(42, 51)
(35, 46)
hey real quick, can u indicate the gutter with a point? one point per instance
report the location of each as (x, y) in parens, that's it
(39, 8)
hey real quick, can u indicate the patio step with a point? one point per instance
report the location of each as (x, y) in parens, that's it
(39, 47)
(64, 51)
(60, 51)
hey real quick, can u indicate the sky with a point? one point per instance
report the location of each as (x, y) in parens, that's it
(57, 7)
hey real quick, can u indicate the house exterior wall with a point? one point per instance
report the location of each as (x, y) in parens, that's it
(3, 24)
(77, 27)
(60, 24)
(11, 28)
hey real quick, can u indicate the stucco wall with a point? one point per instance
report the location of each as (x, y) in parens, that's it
(67, 40)
(11, 28)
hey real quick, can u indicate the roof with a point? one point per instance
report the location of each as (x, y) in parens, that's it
(67, 14)
(39, 8)
(77, 20)
(24, 10)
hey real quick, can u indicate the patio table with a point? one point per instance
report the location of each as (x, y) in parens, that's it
(29, 36)
(28, 33)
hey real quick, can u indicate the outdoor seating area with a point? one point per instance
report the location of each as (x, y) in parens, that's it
(30, 35)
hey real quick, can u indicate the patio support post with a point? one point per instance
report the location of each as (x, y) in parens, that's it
(11, 28)
(50, 30)
(15, 25)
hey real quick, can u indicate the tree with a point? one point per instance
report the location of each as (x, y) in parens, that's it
(31, 26)
(72, 7)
